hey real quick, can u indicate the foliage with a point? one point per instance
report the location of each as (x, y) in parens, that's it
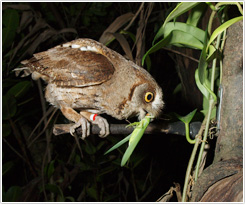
(184, 34)
(187, 119)
(56, 168)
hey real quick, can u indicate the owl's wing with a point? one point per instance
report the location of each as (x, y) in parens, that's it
(71, 67)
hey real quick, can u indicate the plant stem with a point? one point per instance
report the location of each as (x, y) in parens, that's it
(210, 22)
(187, 134)
(214, 64)
(212, 101)
(188, 171)
(221, 49)
(218, 5)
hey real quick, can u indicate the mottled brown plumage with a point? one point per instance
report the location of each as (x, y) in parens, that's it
(87, 76)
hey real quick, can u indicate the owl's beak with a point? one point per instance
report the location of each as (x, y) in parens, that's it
(152, 117)
(143, 113)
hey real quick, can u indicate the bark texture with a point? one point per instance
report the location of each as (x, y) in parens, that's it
(223, 180)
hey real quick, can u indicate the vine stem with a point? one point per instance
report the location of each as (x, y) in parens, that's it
(192, 158)
(188, 171)
(187, 130)
(212, 102)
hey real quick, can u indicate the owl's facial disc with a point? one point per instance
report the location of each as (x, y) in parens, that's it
(147, 99)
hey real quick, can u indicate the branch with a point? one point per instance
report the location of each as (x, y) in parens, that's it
(158, 127)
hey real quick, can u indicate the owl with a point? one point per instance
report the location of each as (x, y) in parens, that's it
(85, 79)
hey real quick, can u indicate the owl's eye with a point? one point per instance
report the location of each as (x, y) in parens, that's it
(149, 96)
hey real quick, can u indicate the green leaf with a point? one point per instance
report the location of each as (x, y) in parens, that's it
(50, 169)
(54, 189)
(212, 53)
(13, 194)
(6, 167)
(196, 14)
(60, 198)
(70, 198)
(9, 106)
(20, 89)
(213, 112)
(130, 34)
(148, 63)
(135, 138)
(10, 18)
(202, 66)
(192, 30)
(221, 28)
(179, 9)
(10, 24)
(177, 89)
(176, 38)
(118, 144)
(3, 193)
(6, 129)
(187, 118)
(8, 38)
(92, 193)
(200, 86)
(90, 148)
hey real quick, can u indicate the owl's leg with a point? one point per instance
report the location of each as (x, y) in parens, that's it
(79, 120)
(98, 120)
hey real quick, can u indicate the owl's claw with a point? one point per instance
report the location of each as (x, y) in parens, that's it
(103, 125)
(85, 125)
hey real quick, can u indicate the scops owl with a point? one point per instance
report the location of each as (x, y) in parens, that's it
(86, 76)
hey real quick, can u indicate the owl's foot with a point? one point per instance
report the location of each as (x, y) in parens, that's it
(85, 125)
(103, 125)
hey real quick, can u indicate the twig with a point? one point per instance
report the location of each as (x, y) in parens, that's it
(44, 129)
(14, 150)
(42, 176)
(168, 195)
(71, 154)
(134, 186)
(40, 121)
(140, 34)
(135, 16)
(177, 190)
(48, 139)
(22, 146)
(78, 145)
(182, 54)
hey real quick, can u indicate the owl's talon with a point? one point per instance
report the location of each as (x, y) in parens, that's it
(103, 125)
(85, 125)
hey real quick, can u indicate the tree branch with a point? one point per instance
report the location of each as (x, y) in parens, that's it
(158, 127)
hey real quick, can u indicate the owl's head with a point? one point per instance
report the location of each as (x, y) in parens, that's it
(147, 98)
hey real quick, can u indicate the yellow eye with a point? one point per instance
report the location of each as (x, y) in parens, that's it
(149, 96)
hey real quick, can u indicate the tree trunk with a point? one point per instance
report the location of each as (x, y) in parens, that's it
(223, 180)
